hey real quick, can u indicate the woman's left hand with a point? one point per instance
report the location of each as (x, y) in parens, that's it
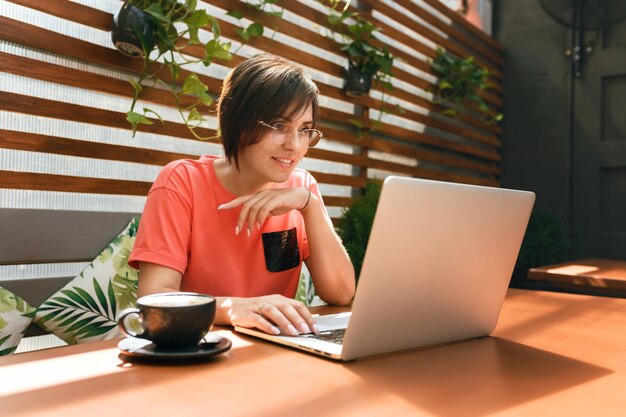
(257, 207)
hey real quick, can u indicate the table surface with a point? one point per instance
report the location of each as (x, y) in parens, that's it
(552, 354)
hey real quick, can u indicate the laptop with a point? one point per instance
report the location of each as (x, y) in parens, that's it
(436, 270)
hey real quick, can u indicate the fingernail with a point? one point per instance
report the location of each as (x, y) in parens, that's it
(292, 330)
(220, 206)
(248, 231)
(305, 328)
(258, 225)
(275, 330)
(236, 230)
(315, 329)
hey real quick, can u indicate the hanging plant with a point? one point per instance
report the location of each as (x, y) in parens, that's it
(462, 82)
(368, 64)
(159, 31)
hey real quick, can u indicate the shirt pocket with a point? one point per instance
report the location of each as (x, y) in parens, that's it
(281, 250)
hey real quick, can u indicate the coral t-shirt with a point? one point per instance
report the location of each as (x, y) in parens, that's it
(181, 228)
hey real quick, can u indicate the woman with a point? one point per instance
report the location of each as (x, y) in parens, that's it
(238, 227)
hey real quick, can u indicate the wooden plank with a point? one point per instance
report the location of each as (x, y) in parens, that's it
(335, 179)
(23, 141)
(66, 111)
(332, 201)
(74, 12)
(45, 71)
(51, 182)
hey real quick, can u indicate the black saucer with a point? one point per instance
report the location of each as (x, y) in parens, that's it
(210, 346)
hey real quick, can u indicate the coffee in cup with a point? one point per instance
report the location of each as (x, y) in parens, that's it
(170, 320)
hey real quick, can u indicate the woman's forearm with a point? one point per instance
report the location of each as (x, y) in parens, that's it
(329, 263)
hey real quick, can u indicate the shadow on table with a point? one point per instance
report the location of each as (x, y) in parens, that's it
(477, 377)
(469, 379)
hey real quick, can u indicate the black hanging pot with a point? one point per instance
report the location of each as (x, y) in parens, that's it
(130, 26)
(357, 82)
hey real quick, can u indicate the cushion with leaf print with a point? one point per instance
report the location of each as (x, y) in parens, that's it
(86, 308)
(15, 316)
(306, 290)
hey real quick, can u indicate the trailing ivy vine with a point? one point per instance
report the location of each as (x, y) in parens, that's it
(462, 82)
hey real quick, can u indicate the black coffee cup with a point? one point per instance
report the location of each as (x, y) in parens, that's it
(171, 320)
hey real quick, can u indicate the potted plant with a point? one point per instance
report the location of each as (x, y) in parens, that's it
(366, 62)
(129, 28)
(162, 29)
(356, 222)
(462, 82)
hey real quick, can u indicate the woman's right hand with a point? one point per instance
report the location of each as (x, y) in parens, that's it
(273, 314)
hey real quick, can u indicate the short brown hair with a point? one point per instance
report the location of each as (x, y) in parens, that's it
(266, 88)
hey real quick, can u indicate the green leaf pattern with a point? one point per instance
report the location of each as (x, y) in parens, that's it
(306, 291)
(86, 308)
(15, 316)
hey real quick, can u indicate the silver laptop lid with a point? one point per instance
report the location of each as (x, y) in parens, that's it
(437, 266)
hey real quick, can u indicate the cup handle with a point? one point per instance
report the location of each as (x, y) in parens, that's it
(121, 321)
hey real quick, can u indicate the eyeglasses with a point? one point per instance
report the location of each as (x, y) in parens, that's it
(281, 133)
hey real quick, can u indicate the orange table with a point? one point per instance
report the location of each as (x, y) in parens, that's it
(551, 355)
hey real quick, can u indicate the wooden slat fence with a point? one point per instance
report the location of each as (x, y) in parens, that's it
(54, 58)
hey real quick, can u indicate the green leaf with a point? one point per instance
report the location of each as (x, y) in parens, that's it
(61, 316)
(255, 29)
(146, 111)
(95, 329)
(88, 299)
(7, 300)
(198, 19)
(80, 323)
(218, 50)
(4, 339)
(125, 290)
(63, 302)
(155, 10)
(112, 300)
(138, 87)
(76, 298)
(136, 119)
(215, 27)
(235, 13)
(101, 298)
(243, 34)
(195, 116)
(90, 326)
(71, 319)
(7, 351)
(193, 85)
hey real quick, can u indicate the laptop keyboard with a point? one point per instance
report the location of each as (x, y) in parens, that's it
(333, 335)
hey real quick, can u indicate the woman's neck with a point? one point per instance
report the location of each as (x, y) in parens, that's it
(237, 181)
